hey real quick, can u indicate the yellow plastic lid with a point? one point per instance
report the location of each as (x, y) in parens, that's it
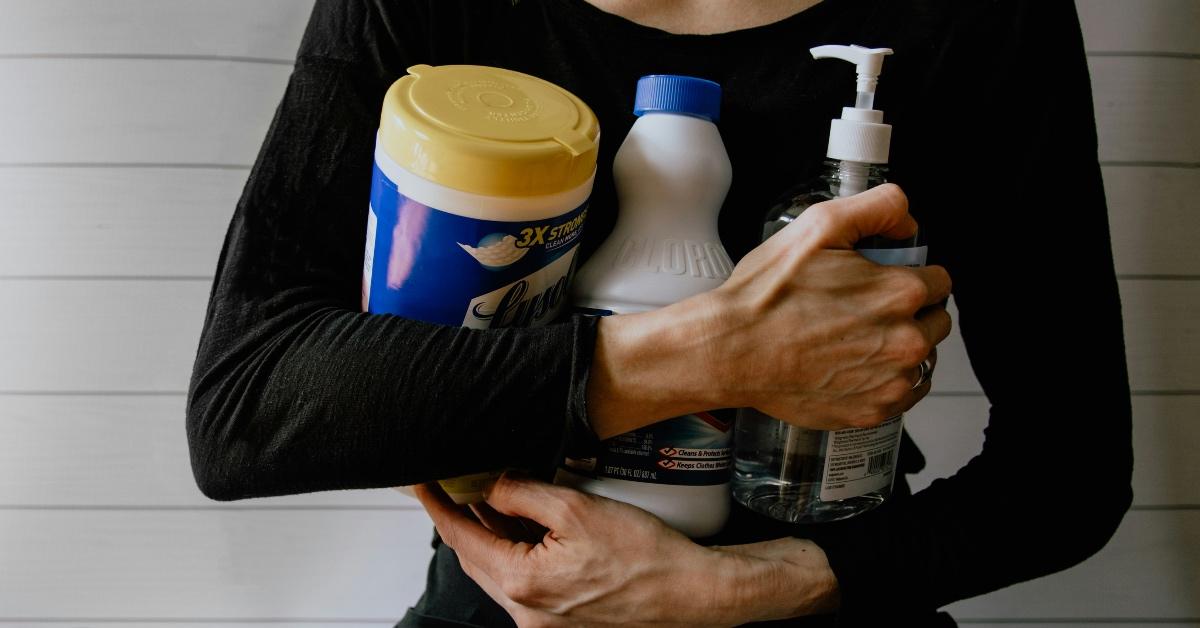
(489, 131)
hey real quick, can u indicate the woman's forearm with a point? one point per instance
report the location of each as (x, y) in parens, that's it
(805, 329)
(778, 579)
(652, 366)
(602, 562)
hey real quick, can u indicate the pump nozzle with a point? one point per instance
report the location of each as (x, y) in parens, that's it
(860, 134)
(867, 61)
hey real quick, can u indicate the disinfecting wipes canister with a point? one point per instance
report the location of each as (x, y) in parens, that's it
(478, 200)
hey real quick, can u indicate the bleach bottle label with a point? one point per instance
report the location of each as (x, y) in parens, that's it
(691, 450)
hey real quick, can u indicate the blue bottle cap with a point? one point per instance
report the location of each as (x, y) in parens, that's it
(678, 94)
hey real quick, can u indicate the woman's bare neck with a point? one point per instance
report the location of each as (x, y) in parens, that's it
(703, 17)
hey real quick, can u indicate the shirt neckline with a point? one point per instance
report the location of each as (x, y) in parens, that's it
(613, 23)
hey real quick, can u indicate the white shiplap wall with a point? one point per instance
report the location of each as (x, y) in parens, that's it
(115, 106)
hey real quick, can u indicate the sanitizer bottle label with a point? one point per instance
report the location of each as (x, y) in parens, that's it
(911, 256)
(691, 450)
(863, 460)
(860, 460)
(436, 266)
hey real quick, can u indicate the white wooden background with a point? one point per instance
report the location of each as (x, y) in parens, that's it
(126, 132)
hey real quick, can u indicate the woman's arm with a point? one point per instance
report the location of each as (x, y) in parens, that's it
(602, 562)
(295, 390)
(804, 329)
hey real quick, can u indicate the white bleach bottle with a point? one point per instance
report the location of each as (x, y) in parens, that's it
(672, 173)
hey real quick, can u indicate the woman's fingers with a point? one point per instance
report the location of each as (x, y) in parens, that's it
(922, 385)
(923, 373)
(551, 506)
(512, 528)
(466, 536)
(619, 564)
(937, 283)
(488, 584)
(842, 222)
(936, 323)
(521, 614)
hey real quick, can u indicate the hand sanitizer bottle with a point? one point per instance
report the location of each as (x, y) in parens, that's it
(672, 173)
(808, 476)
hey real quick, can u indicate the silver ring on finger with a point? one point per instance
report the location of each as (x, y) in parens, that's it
(926, 373)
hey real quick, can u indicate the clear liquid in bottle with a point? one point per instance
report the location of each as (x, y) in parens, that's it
(800, 475)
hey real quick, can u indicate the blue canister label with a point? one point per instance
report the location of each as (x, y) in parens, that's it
(427, 264)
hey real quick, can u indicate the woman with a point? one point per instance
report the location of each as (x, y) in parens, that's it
(294, 390)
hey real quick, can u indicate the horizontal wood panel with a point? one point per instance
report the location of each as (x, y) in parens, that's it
(136, 111)
(1157, 26)
(1154, 217)
(258, 29)
(170, 222)
(1146, 108)
(1166, 429)
(99, 335)
(121, 451)
(1162, 334)
(367, 565)
(162, 222)
(131, 451)
(79, 335)
(1148, 570)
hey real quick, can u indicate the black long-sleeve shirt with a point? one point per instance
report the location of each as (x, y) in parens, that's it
(295, 390)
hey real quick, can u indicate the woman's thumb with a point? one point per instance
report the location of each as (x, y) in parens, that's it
(841, 222)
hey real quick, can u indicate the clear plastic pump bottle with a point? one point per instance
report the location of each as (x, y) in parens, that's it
(809, 476)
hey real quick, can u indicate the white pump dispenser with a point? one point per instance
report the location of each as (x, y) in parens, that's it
(860, 134)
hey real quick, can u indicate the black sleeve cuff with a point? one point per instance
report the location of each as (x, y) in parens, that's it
(579, 439)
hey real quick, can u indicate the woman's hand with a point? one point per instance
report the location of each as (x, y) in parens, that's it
(806, 330)
(602, 562)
